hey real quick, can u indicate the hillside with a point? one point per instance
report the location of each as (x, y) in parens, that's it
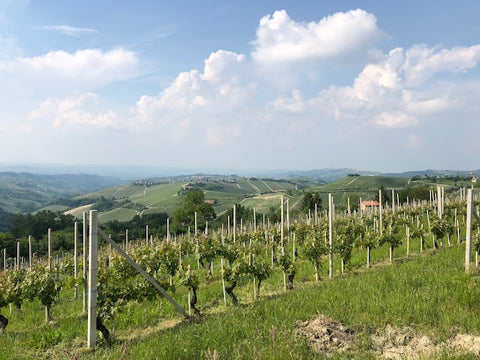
(27, 192)
(358, 187)
(123, 202)
(159, 195)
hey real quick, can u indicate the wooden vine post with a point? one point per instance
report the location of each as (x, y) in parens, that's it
(393, 201)
(168, 230)
(282, 243)
(18, 255)
(92, 280)
(49, 248)
(380, 209)
(407, 232)
(468, 242)
(439, 202)
(30, 252)
(146, 232)
(330, 235)
(288, 215)
(234, 222)
(75, 258)
(84, 270)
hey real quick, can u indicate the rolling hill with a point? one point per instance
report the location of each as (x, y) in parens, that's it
(153, 196)
(27, 192)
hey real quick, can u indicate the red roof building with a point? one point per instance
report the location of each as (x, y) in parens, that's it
(369, 204)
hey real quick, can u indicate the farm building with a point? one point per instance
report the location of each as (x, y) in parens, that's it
(369, 204)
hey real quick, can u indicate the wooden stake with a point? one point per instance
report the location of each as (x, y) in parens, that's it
(30, 252)
(468, 242)
(92, 280)
(49, 248)
(84, 272)
(18, 255)
(330, 235)
(380, 210)
(234, 222)
(75, 258)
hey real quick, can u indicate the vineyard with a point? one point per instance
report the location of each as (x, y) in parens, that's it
(237, 270)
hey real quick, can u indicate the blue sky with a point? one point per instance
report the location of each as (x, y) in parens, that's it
(260, 85)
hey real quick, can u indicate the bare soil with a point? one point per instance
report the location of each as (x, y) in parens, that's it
(327, 336)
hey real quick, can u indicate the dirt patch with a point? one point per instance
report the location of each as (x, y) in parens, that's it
(402, 343)
(465, 343)
(327, 336)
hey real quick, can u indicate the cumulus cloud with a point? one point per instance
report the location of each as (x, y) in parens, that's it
(61, 70)
(219, 90)
(281, 39)
(68, 30)
(392, 93)
(422, 62)
(79, 109)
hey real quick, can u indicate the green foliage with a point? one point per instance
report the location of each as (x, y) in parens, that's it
(229, 251)
(301, 232)
(287, 265)
(394, 240)
(6, 221)
(169, 258)
(38, 223)
(190, 280)
(441, 227)
(310, 199)
(315, 248)
(191, 203)
(417, 192)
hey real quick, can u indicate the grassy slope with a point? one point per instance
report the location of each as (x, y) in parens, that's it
(365, 187)
(25, 192)
(430, 292)
(164, 198)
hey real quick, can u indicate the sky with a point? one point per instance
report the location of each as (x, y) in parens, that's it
(248, 85)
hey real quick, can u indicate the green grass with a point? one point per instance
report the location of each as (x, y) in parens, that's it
(255, 193)
(429, 292)
(120, 214)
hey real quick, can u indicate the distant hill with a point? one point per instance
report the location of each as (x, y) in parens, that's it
(27, 192)
(155, 195)
(333, 174)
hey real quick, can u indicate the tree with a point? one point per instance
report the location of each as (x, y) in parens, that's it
(310, 199)
(191, 203)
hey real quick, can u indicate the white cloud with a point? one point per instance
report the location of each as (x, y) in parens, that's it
(79, 109)
(222, 135)
(293, 104)
(280, 39)
(219, 65)
(422, 62)
(68, 29)
(211, 96)
(389, 93)
(395, 119)
(60, 71)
